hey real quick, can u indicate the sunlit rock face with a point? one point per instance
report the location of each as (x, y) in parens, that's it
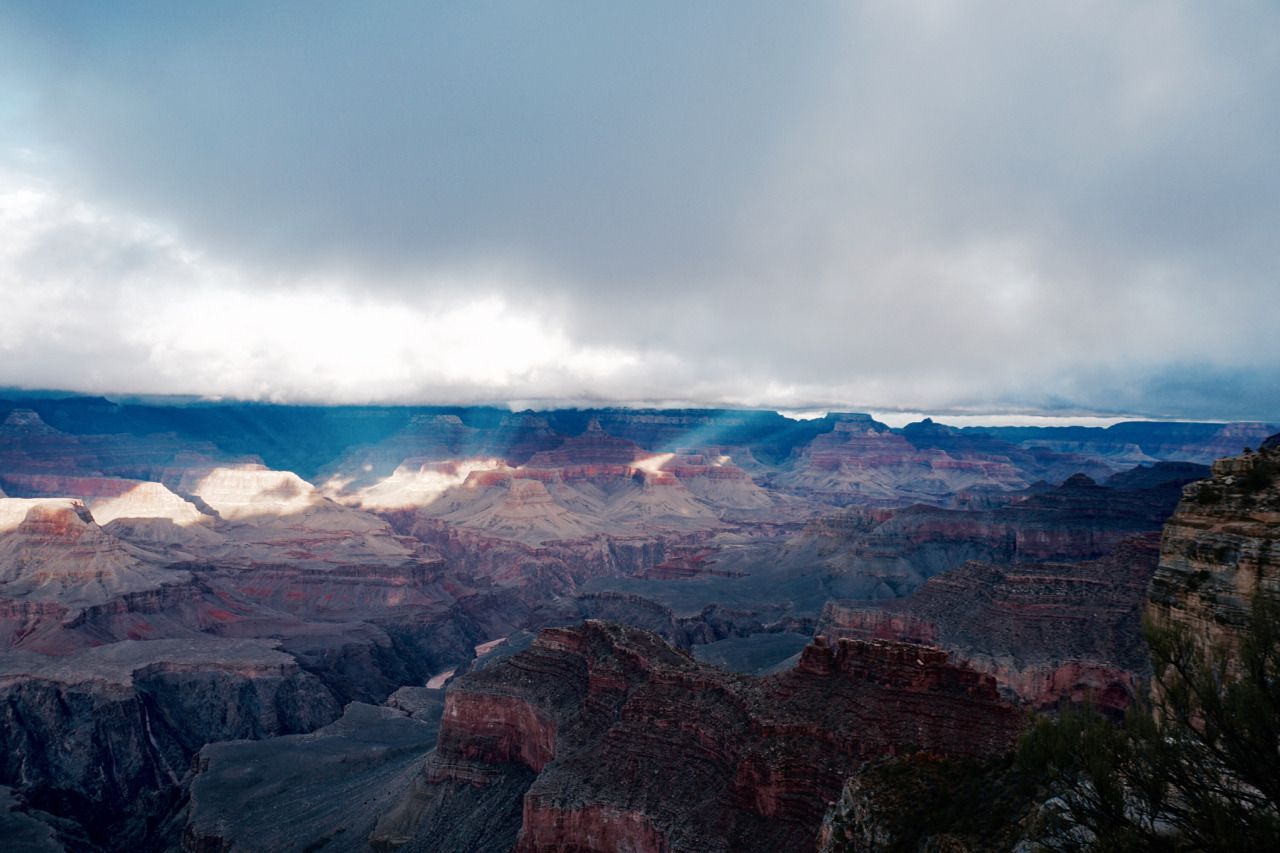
(507, 506)
(13, 511)
(111, 498)
(716, 479)
(268, 516)
(535, 505)
(410, 454)
(589, 484)
(415, 482)
(250, 491)
(52, 550)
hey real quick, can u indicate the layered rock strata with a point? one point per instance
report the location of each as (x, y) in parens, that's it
(332, 783)
(897, 550)
(1221, 548)
(601, 733)
(105, 735)
(1046, 631)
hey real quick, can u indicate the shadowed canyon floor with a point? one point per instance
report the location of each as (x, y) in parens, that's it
(220, 620)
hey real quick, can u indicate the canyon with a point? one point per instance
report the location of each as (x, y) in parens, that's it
(468, 628)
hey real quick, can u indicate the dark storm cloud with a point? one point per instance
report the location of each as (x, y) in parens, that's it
(1059, 207)
(596, 140)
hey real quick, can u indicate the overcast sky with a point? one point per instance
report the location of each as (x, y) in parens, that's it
(1067, 208)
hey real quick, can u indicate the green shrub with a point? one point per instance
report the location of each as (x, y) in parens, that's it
(1197, 769)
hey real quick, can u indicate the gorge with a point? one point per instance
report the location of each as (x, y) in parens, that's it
(585, 606)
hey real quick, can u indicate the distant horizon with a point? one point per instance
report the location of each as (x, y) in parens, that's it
(895, 419)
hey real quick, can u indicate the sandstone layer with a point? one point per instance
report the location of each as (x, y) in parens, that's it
(601, 733)
(1047, 631)
(1221, 548)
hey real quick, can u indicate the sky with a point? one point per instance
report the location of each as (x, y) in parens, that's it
(1041, 209)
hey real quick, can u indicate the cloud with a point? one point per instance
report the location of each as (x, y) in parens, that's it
(110, 303)
(932, 206)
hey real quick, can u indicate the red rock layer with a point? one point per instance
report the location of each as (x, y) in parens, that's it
(593, 447)
(1046, 631)
(1079, 520)
(631, 739)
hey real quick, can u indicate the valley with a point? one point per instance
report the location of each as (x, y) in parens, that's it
(206, 609)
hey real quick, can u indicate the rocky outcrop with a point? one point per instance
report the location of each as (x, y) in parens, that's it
(27, 830)
(306, 792)
(1221, 548)
(25, 423)
(29, 445)
(588, 486)
(109, 498)
(711, 624)
(599, 733)
(52, 550)
(868, 465)
(104, 736)
(897, 550)
(1051, 598)
(1045, 631)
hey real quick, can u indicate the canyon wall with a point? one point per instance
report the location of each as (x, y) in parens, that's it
(1221, 548)
(600, 732)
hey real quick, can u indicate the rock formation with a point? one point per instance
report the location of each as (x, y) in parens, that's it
(897, 550)
(1221, 548)
(601, 733)
(104, 735)
(1045, 631)
(332, 783)
(52, 551)
(865, 463)
(195, 573)
(1141, 441)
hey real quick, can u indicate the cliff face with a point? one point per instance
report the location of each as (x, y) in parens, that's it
(1221, 547)
(53, 551)
(1046, 631)
(306, 792)
(103, 736)
(1079, 520)
(863, 463)
(601, 733)
(1050, 601)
